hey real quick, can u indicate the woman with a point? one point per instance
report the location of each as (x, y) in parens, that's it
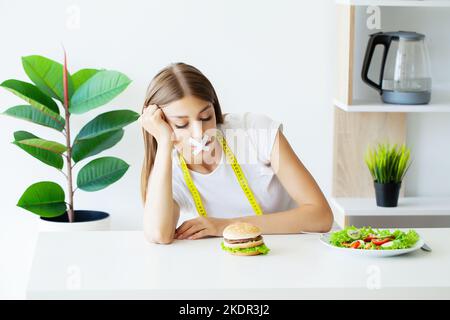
(193, 165)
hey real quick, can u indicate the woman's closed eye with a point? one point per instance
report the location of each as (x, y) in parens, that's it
(187, 124)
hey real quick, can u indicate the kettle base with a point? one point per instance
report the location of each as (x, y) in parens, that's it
(399, 97)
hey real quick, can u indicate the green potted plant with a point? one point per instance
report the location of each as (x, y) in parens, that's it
(388, 165)
(51, 99)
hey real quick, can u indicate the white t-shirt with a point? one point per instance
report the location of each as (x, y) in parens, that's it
(251, 137)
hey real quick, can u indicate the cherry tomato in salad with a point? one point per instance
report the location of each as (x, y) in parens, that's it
(356, 244)
(379, 242)
(370, 237)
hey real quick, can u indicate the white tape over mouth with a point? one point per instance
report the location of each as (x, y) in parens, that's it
(199, 146)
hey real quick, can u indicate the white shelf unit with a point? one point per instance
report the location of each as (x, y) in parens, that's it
(440, 102)
(396, 3)
(411, 212)
(378, 106)
(363, 121)
(440, 94)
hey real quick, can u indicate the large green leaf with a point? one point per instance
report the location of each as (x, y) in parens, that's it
(18, 90)
(81, 76)
(101, 88)
(48, 157)
(29, 113)
(82, 149)
(51, 146)
(107, 122)
(100, 173)
(45, 199)
(22, 135)
(30, 94)
(47, 75)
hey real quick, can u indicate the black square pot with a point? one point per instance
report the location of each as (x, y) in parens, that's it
(387, 194)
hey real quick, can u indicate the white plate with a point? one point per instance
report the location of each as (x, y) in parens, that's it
(325, 239)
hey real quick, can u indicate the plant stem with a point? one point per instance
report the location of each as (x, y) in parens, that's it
(70, 211)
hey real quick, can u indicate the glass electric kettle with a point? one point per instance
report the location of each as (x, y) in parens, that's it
(405, 67)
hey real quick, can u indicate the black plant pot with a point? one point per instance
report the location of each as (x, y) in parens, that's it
(387, 193)
(84, 220)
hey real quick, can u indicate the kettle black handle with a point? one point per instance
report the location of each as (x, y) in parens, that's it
(375, 39)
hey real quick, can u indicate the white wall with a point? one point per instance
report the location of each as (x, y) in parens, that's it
(273, 57)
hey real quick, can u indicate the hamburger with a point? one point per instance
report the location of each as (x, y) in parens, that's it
(243, 239)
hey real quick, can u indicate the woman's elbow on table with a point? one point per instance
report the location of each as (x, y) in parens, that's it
(320, 218)
(327, 220)
(158, 237)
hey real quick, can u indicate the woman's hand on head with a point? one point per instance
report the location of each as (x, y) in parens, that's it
(201, 227)
(153, 121)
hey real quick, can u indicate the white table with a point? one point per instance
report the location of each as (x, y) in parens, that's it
(121, 264)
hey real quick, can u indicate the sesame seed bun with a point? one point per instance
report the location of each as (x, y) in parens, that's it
(241, 230)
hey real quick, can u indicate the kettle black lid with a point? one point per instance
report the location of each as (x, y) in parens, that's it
(406, 35)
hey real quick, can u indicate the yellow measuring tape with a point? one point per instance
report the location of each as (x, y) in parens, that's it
(237, 171)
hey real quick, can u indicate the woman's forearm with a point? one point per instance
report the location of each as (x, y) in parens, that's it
(307, 217)
(159, 217)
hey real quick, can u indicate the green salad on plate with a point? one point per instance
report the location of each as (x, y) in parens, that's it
(367, 238)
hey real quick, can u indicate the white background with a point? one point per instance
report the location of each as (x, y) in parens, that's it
(272, 57)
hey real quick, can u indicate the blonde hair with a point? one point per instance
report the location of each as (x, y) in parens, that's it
(172, 83)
